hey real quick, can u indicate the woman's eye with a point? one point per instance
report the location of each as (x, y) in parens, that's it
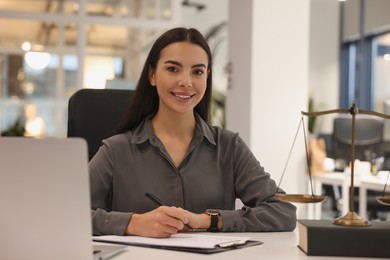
(172, 69)
(198, 72)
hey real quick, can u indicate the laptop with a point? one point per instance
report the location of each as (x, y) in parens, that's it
(45, 200)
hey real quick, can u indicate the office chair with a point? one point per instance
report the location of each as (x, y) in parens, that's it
(94, 114)
(368, 138)
(368, 145)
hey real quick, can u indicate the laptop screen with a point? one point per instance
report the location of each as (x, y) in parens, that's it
(44, 194)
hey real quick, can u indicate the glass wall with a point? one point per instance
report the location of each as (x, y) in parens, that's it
(366, 74)
(51, 48)
(381, 70)
(364, 32)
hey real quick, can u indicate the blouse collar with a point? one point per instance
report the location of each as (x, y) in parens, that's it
(145, 131)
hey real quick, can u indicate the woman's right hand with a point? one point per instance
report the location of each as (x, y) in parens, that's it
(161, 222)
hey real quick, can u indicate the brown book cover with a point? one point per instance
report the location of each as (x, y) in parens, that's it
(323, 238)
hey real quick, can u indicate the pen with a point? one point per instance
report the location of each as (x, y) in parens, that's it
(160, 203)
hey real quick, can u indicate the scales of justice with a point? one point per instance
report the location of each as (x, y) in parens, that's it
(351, 218)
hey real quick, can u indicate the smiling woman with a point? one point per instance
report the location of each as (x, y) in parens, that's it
(166, 146)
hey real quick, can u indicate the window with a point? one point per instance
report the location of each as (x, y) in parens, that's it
(381, 70)
(365, 76)
(51, 48)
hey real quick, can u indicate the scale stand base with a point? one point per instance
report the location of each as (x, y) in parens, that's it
(351, 219)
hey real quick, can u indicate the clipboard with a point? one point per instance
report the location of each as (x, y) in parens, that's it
(216, 249)
(143, 242)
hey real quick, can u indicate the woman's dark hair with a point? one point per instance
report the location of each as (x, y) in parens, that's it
(145, 100)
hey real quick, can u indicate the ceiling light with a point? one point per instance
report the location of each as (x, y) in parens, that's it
(26, 46)
(37, 60)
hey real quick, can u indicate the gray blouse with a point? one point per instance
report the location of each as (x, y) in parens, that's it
(218, 168)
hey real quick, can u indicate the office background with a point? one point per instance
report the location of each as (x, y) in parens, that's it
(270, 57)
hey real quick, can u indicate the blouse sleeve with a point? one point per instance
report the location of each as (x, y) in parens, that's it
(262, 211)
(104, 221)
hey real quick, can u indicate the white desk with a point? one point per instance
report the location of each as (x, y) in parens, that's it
(364, 182)
(277, 246)
(369, 183)
(332, 178)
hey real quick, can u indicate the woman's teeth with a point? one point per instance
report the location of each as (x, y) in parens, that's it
(182, 96)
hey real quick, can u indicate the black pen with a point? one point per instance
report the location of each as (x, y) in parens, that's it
(160, 203)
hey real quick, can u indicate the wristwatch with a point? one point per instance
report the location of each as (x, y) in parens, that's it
(214, 216)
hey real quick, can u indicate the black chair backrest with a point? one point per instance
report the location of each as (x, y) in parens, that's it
(368, 137)
(94, 114)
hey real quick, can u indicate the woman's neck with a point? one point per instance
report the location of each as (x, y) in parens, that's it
(178, 125)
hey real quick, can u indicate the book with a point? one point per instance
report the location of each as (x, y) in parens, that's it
(323, 238)
(195, 243)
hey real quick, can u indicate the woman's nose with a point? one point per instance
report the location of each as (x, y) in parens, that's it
(185, 80)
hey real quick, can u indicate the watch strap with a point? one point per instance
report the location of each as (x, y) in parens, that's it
(214, 217)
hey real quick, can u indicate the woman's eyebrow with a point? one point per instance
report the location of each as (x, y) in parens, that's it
(180, 65)
(173, 62)
(199, 65)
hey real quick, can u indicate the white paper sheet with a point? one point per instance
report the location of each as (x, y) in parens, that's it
(178, 240)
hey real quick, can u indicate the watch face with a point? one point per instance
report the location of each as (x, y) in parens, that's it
(212, 212)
